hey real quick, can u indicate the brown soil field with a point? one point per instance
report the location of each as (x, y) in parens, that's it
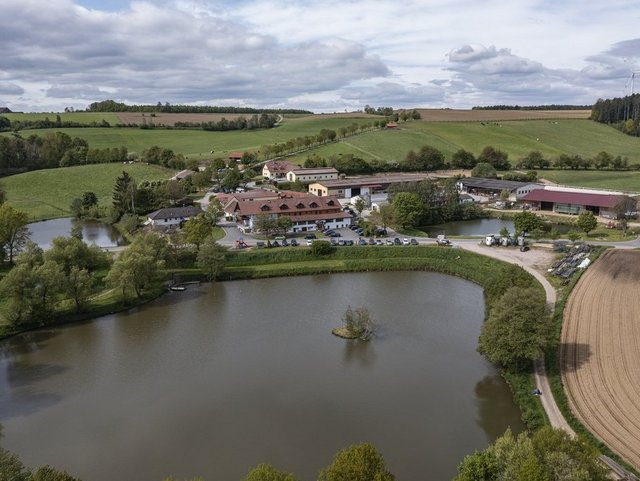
(171, 119)
(600, 352)
(452, 115)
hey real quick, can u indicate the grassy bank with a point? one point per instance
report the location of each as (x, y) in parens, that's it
(46, 194)
(596, 179)
(552, 361)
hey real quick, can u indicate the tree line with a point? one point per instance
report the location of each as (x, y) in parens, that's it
(46, 123)
(623, 113)
(18, 154)
(113, 106)
(533, 107)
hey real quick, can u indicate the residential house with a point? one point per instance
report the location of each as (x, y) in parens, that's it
(172, 216)
(277, 169)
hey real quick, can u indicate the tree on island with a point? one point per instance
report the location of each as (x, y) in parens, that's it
(358, 324)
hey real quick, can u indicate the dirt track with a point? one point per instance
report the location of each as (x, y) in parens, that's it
(600, 352)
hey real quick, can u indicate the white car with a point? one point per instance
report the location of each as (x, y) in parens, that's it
(309, 242)
(405, 241)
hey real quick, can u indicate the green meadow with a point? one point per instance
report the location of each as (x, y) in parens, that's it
(200, 143)
(517, 138)
(604, 179)
(45, 194)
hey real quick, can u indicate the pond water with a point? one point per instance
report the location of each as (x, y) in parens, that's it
(478, 227)
(213, 381)
(93, 232)
(482, 227)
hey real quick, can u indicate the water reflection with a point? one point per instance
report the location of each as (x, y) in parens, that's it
(494, 406)
(93, 232)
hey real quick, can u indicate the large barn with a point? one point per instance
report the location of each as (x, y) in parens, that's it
(571, 202)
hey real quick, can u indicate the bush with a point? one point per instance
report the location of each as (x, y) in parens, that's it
(322, 248)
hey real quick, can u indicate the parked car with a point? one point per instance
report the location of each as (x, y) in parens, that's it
(335, 234)
(284, 243)
(341, 243)
(414, 242)
(379, 242)
(359, 231)
(397, 241)
(389, 242)
(333, 242)
(381, 232)
(309, 242)
(349, 242)
(260, 245)
(362, 242)
(294, 243)
(275, 244)
(372, 241)
(405, 241)
(310, 236)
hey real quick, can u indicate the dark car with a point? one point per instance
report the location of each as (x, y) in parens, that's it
(260, 244)
(294, 243)
(310, 236)
(354, 226)
(335, 234)
(362, 242)
(284, 243)
(349, 243)
(275, 244)
(414, 242)
(372, 241)
(381, 232)
(397, 241)
(333, 242)
(359, 231)
(524, 248)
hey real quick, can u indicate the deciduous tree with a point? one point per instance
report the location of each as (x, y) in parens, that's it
(360, 462)
(266, 472)
(14, 232)
(586, 221)
(527, 222)
(409, 209)
(518, 328)
(211, 258)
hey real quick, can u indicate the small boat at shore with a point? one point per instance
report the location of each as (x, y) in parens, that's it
(177, 288)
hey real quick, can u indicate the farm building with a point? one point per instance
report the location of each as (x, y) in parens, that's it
(277, 169)
(235, 157)
(366, 185)
(172, 216)
(494, 187)
(309, 175)
(307, 212)
(572, 202)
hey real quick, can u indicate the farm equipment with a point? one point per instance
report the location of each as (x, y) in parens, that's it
(573, 260)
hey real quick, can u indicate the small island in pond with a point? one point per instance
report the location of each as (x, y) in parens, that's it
(358, 324)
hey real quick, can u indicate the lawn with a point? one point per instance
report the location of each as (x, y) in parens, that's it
(605, 179)
(45, 194)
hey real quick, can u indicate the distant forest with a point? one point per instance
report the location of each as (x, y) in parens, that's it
(622, 113)
(533, 107)
(113, 106)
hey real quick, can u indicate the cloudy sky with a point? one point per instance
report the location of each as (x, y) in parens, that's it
(322, 55)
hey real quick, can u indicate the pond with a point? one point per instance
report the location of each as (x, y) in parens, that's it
(93, 232)
(213, 381)
(482, 227)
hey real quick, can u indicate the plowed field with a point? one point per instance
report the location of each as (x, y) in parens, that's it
(453, 115)
(600, 352)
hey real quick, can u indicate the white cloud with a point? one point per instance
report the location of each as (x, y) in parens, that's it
(333, 54)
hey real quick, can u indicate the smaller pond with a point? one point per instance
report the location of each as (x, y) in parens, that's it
(93, 232)
(482, 227)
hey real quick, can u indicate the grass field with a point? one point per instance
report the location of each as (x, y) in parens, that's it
(199, 143)
(517, 138)
(81, 117)
(45, 194)
(624, 181)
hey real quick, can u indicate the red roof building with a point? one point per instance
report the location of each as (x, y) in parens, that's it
(306, 211)
(571, 202)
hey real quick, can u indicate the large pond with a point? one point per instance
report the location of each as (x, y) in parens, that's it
(103, 235)
(214, 380)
